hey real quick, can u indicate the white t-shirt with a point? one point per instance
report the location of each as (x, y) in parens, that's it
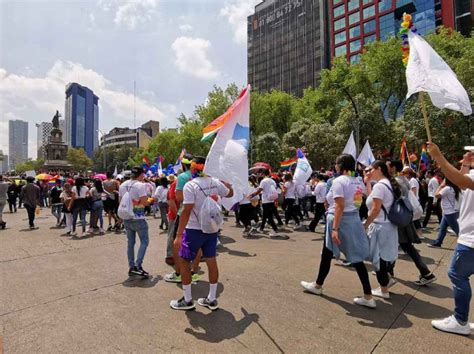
(83, 191)
(196, 191)
(136, 190)
(433, 185)
(466, 216)
(384, 194)
(268, 185)
(349, 188)
(449, 204)
(415, 184)
(161, 194)
(150, 188)
(307, 190)
(290, 190)
(245, 199)
(320, 192)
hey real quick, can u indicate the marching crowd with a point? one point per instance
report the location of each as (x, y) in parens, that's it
(369, 212)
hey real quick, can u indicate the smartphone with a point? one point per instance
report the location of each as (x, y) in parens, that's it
(469, 148)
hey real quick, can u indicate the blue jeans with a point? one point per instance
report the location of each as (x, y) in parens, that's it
(447, 220)
(133, 227)
(461, 268)
(56, 210)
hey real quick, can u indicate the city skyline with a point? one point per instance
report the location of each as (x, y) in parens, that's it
(172, 51)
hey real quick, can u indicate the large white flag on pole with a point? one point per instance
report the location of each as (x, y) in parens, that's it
(227, 158)
(427, 71)
(350, 147)
(303, 169)
(366, 157)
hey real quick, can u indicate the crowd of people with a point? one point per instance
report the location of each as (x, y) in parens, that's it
(363, 209)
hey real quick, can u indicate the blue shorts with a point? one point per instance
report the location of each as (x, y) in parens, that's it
(194, 240)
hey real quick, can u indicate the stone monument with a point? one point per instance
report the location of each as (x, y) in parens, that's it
(56, 149)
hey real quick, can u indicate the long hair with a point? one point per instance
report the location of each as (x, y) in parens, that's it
(98, 186)
(79, 183)
(453, 186)
(346, 163)
(393, 182)
(164, 182)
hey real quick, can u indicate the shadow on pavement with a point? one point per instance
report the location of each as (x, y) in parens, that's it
(434, 289)
(140, 282)
(216, 326)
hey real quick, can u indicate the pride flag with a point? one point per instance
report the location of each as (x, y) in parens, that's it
(287, 164)
(403, 151)
(424, 156)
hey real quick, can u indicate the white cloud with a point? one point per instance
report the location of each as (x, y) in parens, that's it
(35, 99)
(130, 13)
(185, 28)
(236, 13)
(191, 57)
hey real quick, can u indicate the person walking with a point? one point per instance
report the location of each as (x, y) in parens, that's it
(4, 185)
(79, 205)
(432, 205)
(161, 196)
(462, 262)
(344, 231)
(267, 188)
(97, 195)
(30, 195)
(289, 190)
(111, 187)
(173, 207)
(12, 197)
(193, 236)
(66, 198)
(319, 193)
(137, 225)
(55, 202)
(448, 194)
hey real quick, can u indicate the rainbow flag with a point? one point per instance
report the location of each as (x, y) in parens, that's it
(286, 164)
(146, 162)
(424, 156)
(218, 123)
(403, 151)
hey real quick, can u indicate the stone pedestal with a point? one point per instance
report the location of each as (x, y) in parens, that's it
(56, 152)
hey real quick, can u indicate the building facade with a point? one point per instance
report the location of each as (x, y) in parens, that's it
(355, 23)
(139, 137)
(3, 162)
(82, 118)
(43, 131)
(287, 45)
(18, 142)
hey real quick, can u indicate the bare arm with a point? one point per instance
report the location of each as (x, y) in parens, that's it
(373, 212)
(183, 221)
(337, 219)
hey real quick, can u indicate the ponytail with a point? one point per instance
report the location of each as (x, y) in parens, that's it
(393, 182)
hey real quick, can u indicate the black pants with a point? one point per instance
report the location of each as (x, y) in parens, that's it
(291, 211)
(325, 266)
(415, 256)
(312, 202)
(31, 215)
(268, 211)
(430, 207)
(276, 215)
(12, 205)
(318, 214)
(382, 273)
(245, 214)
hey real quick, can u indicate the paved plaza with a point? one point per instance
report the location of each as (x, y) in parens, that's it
(64, 295)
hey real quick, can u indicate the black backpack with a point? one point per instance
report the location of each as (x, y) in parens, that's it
(400, 214)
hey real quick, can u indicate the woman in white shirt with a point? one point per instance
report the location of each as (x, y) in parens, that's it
(161, 196)
(79, 204)
(382, 233)
(289, 189)
(320, 195)
(449, 195)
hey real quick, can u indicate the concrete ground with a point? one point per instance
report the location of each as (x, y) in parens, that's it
(64, 295)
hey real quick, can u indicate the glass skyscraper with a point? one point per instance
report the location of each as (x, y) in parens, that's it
(82, 118)
(17, 142)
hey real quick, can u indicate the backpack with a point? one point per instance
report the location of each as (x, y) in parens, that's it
(400, 214)
(273, 195)
(125, 209)
(210, 215)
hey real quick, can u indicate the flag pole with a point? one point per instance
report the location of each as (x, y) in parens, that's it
(421, 98)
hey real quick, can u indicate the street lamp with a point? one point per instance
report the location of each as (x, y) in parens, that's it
(103, 148)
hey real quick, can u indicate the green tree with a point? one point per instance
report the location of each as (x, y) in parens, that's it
(268, 148)
(29, 165)
(114, 156)
(79, 159)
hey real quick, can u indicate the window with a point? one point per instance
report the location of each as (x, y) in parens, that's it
(338, 11)
(370, 39)
(354, 32)
(335, 2)
(340, 37)
(355, 46)
(81, 122)
(365, 2)
(353, 4)
(369, 26)
(355, 59)
(369, 11)
(385, 5)
(354, 18)
(341, 50)
(387, 26)
(339, 24)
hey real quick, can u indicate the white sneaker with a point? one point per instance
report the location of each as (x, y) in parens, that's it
(451, 325)
(391, 282)
(311, 288)
(379, 293)
(362, 301)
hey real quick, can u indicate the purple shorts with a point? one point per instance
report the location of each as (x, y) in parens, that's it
(194, 240)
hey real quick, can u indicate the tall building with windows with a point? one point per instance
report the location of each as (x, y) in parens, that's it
(287, 45)
(355, 23)
(3, 162)
(17, 142)
(42, 135)
(82, 118)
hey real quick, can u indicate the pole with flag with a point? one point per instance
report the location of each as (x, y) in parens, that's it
(366, 156)
(350, 147)
(178, 165)
(303, 169)
(404, 152)
(115, 171)
(228, 157)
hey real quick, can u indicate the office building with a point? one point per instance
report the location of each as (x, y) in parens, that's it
(3, 162)
(287, 45)
(18, 142)
(139, 137)
(43, 134)
(82, 118)
(355, 23)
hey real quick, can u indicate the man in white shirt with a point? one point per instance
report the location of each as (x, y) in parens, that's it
(432, 205)
(320, 195)
(267, 189)
(462, 263)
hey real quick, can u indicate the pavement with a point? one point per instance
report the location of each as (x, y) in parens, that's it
(64, 295)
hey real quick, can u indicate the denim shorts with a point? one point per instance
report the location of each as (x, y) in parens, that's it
(194, 240)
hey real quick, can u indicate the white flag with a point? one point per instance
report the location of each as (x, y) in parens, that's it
(227, 159)
(366, 156)
(427, 71)
(303, 169)
(350, 147)
(115, 172)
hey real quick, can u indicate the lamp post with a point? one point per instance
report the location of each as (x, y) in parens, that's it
(103, 148)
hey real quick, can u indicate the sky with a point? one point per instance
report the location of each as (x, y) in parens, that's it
(175, 51)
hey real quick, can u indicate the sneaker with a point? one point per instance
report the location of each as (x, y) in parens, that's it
(133, 271)
(311, 288)
(211, 305)
(362, 301)
(425, 280)
(142, 272)
(73, 233)
(194, 278)
(434, 244)
(391, 282)
(109, 228)
(344, 263)
(379, 293)
(451, 325)
(173, 278)
(181, 304)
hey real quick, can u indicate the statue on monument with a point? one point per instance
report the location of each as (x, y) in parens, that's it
(56, 120)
